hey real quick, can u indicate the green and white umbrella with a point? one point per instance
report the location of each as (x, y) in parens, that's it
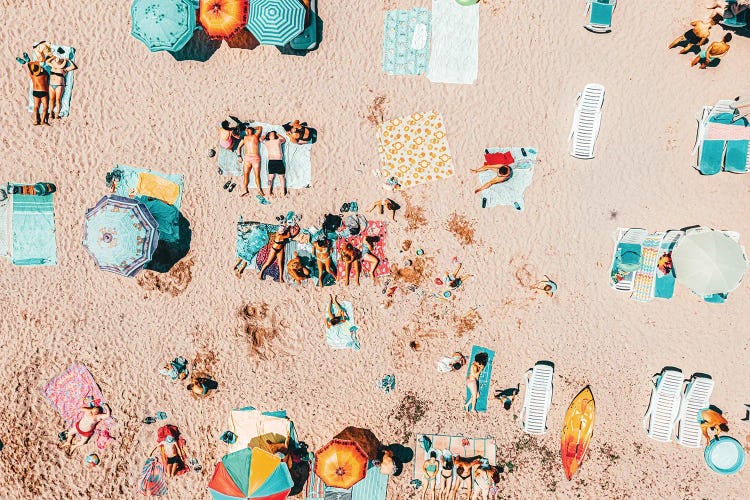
(276, 22)
(121, 235)
(163, 24)
(708, 262)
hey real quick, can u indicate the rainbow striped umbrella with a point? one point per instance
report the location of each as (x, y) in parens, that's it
(276, 22)
(250, 473)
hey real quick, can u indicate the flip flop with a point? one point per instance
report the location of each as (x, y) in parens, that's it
(20, 61)
(227, 184)
(231, 188)
(262, 200)
(26, 57)
(344, 208)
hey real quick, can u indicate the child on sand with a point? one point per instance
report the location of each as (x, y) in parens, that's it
(273, 143)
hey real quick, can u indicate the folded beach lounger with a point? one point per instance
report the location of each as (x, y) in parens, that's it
(600, 15)
(586, 121)
(694, 399)
(664, 406)
(308, 39)
(626, 258)
(736, 157)
(537, 398)
(711, 157)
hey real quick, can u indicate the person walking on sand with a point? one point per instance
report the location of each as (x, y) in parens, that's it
(715, 49)
(697, 35)
(84, 429)
(322, 254)
(273, 143)
(249, 156)
(60, 67)
(472, 380)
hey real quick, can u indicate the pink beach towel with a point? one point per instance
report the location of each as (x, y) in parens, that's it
(66, 394)
(374, 228)
(725, 132)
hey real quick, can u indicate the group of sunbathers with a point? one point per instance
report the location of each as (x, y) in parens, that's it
(698, 36)
(47, 72)
(245, 140)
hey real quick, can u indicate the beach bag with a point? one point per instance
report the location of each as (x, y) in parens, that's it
(331, 223)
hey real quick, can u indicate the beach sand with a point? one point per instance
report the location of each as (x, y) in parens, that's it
(151, 111)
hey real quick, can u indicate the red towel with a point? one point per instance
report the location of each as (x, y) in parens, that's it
(498, 158)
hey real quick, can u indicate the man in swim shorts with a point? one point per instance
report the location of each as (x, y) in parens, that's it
(249, 155)
(84, 429)
(40, 90)
(698, 35)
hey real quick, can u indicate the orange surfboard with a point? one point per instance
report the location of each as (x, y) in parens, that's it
(577, 431)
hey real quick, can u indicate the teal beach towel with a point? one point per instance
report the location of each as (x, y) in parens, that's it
(406, 41)
(33, 225)
(484, 378)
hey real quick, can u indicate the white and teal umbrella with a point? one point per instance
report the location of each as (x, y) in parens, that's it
(163, 24)
(121, 235)
(276, 22)
(708, 262)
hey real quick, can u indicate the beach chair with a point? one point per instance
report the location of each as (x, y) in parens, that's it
(738, 21)
(537, 398)
(600, 15)
(694, 399)
(629, 240)
(664, 287)
(711, 157)
(664, 407)
(308, 39)
(736, 157)
(586, 121)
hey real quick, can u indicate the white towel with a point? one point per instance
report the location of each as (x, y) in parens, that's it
(454, 56)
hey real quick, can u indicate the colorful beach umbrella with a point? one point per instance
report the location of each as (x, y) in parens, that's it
(163, 24)
(121, 234)
(276, 22)
(151, 482)
(341, 463)
(250, 473)
(708, 262)
(222, 19)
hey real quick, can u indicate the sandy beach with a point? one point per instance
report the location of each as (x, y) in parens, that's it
(265, 343)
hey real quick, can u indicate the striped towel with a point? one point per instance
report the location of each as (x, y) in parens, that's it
(643, 285)
(315, 488)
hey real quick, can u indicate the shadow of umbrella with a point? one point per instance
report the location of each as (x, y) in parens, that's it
(287, 50)
(174, 235)
(243, 40)
(199, 48)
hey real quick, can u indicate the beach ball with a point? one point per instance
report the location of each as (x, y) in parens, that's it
(92, 459)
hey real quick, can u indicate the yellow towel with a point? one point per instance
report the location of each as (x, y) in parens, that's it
(156, 187)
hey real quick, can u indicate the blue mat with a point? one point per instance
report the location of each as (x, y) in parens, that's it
(511, 191)
(33, 225)
(399, 56)
(736, 158)
(372, 487)
(484, 377)
(70, 53)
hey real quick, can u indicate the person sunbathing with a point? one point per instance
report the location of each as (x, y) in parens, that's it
(350, 256)
(464, 466)
(715, 49)
(300, 133)
(278, 243)
(296, 269)
(322, 254)
(173, 452)
(713, 420)
(454, 280)
(452, 364)
(546, 285)
(386, 203)
(368, 255)
(446, 475)
(472, 380)
(698, 35)
(60, 67)
(249, 156)
(229, 136)
(504, 173)
(200, 387)
(507, 395)
(430, 469)
(336, 315)
(84, 429)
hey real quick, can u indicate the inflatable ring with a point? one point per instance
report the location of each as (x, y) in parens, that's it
(466, 3)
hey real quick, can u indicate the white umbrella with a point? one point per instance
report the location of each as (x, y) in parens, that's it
(708, 262)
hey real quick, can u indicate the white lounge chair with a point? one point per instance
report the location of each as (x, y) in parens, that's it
(664, 407)
(626, 237)
(537, 398)
(586, 121)
(706, 112)
(694, 399)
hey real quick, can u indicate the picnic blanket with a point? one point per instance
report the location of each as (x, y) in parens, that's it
(645, 277)
(373, 228)
(66, 393)
(168, 188)
(414, 149)
(33, 241)
(456, 445)
(511, 191)
(373, 487)
(454, 56)
(296, 158)
(344, 334)
(68, 53)
(406, 41)
(484, 378)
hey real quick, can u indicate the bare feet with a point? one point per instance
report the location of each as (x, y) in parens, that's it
(245, 194)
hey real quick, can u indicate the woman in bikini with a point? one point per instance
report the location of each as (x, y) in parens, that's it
(84, 429)
(368, 255)
(322, 254)
(229, 136)
(430, 468)
(60, 67)
(472, 380)
(464, 466)
(297, 269)
(446, 475)
(172, 454)
(300, 133)
(248, 155)
(278, 242)
(336, 315)
(350, 257)
(715, 49)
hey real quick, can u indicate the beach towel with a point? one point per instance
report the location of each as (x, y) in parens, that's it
(645, 277)
(315, 488)
(737, 131)
(484, 378)
(343, 335)
(406, 41)
(456, 445)
(511, 191)
(375, 228)
(454, 55)
(5, 211)
(66, 394)
(168, 188)
(68, 53)
(296, 159)
(33, 241)
(664, 285)
(152, 479)
(373, 487)
(414, 149)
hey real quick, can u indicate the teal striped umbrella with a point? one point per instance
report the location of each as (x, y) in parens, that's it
(163, 24)
(121, 235)
(276, 22)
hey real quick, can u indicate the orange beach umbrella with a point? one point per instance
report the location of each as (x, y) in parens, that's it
(222, 19)
(341, 463)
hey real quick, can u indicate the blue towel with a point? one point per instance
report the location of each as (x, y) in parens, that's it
(664, 283)
(712, 154)
(399, 58)
(484, 378)
(736, 159)
(33, 223)
(601, 13)
(372, 487)
(70, 53)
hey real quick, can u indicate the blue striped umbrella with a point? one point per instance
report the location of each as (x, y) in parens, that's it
(121, 235)
(163, 24)
(276, 22)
